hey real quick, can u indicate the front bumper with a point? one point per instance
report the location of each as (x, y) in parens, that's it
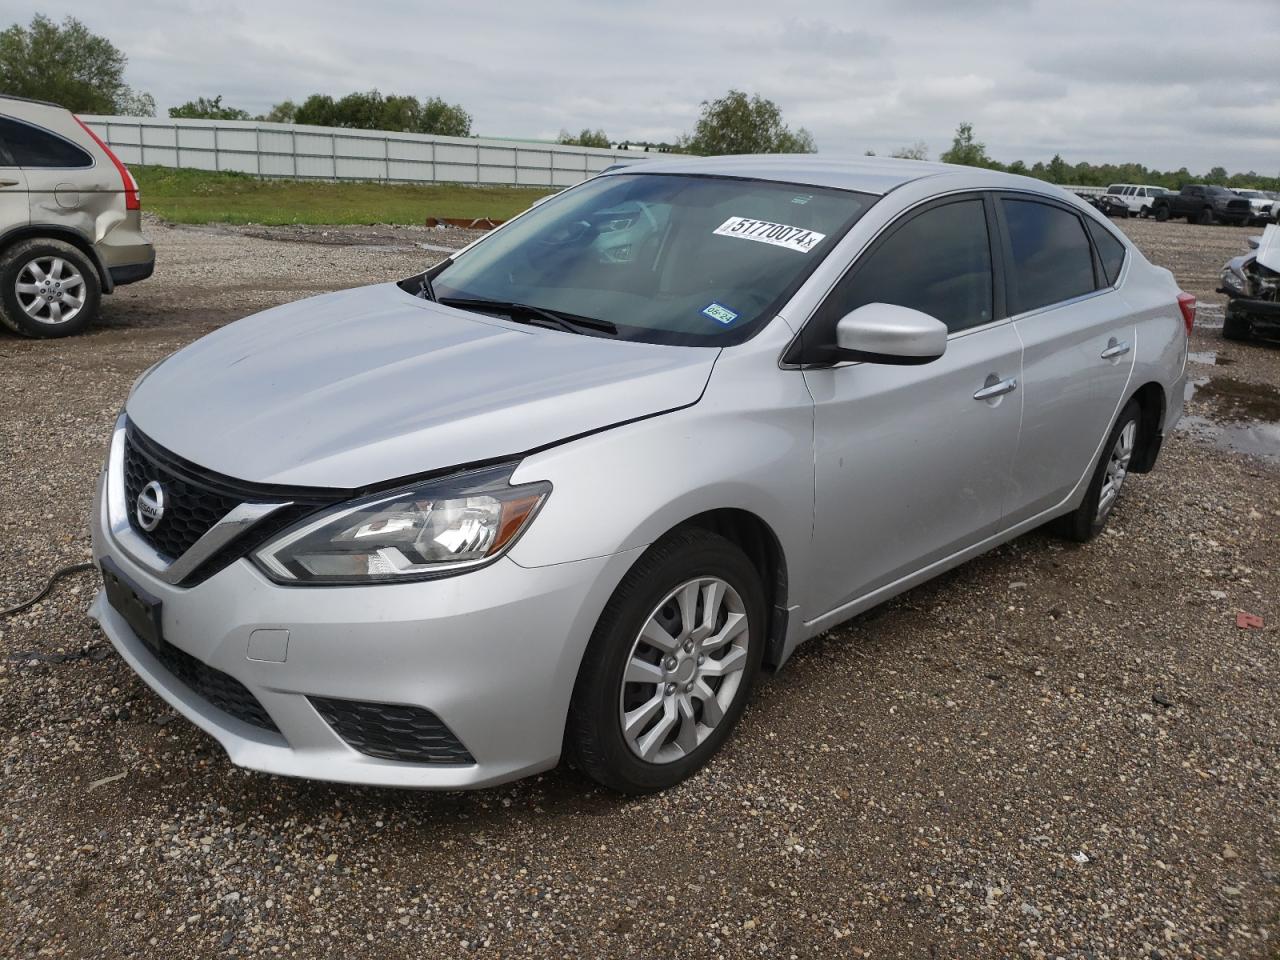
(493, 653)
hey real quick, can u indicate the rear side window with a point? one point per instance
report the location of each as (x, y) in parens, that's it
(1049, 252)
(30, 146)
(938, 262)
(1110, 250)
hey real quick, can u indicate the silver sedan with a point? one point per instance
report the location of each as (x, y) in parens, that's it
(571, 489)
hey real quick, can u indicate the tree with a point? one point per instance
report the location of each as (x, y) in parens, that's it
(444, 119)
(202, 109)
(283, 112)
(69, 66)
(965, 150)
(737, 123)
(587, 138)
(373, 111)
(1059, 171)
(917, 151)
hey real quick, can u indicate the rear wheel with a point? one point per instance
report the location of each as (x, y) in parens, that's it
(1205, 218)
(670, 664)
(1090, 518)
(48, 288)
(1162, 214)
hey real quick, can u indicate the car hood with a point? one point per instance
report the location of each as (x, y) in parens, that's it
(354, 388)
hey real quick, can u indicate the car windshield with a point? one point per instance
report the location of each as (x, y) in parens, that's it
(670, 259)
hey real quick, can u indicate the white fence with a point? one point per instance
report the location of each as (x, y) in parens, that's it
(335, 153)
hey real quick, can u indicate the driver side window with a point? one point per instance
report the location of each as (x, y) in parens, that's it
(937, 262)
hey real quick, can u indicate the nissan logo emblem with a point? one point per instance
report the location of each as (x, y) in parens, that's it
(150, 507)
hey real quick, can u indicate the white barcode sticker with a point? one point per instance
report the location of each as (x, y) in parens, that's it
(776, 234)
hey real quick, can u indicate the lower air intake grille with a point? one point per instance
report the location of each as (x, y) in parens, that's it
(392, 732)
(222, 690)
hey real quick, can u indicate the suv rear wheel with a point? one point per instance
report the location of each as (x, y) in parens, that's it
(1206, 217)
(48, 288)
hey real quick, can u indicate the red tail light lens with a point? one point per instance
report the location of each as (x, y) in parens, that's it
(1187, 304)
(131, 201)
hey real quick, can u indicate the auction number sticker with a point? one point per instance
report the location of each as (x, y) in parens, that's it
(776, 234)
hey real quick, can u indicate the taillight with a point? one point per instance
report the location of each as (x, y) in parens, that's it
(1187, 304)
(131, 201)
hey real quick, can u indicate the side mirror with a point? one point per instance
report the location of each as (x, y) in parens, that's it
(884, 333)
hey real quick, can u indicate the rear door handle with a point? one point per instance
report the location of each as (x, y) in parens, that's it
(996, 388)
(1115, 348)
(6, 182)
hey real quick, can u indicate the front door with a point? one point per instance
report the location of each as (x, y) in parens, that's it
(912, 462)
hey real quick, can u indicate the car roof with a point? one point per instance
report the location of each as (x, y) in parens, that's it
(874, 175)
(43, 103)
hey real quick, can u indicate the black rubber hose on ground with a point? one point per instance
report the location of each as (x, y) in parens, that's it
(53, 578)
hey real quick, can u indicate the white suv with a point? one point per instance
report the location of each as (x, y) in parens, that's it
(1137, 197)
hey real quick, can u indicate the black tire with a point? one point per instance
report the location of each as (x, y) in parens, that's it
(1205, 219)
(12, 263)
(1144, 212)
(594, 739)
(1083, 523)
(1162, 214)
(1235, 326)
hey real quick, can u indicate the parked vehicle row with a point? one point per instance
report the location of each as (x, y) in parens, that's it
(70, 221)
(1197, 202)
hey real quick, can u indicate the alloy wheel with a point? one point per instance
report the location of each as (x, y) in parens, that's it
(684, 670)
(1117, 468)
(50, 290)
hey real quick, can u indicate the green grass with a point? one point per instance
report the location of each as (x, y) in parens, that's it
(199, 196)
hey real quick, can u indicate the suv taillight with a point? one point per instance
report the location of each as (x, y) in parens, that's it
(131, 201)
(1187, 304)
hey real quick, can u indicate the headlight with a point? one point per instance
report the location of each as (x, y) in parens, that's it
(1232, 281)
(426, 530)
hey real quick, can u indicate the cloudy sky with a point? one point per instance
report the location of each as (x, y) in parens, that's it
(1164, 82)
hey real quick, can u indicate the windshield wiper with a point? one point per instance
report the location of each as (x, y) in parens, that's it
(571, 322)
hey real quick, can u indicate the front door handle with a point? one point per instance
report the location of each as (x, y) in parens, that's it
(1115, 348)
(996, 387)
(6, 182)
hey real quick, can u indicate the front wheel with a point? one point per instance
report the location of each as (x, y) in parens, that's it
(48, 288)
(1144, 212)
(670, 665)
(1090, 518)
(1162, 214)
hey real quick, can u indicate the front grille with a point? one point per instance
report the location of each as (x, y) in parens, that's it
(391, 731)
(222, 690)
(191, 506)
(195, 499)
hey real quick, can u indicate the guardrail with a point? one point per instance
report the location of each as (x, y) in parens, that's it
(302, 152)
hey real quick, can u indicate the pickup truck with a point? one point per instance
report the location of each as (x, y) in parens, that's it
(1202, 203)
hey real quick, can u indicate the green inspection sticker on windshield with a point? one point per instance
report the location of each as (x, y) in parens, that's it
(720, 313)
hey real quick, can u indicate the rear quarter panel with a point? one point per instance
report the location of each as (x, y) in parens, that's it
(1161, 342)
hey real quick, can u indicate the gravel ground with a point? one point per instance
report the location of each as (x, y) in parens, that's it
(1050, 752)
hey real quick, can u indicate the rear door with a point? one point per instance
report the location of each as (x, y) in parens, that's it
(910, 465)
(15, 210)
(1078, 346)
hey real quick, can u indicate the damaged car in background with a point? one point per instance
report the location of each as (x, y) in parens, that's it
(1252, 285)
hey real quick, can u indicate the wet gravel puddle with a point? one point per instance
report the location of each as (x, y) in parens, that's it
(1241, 416)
